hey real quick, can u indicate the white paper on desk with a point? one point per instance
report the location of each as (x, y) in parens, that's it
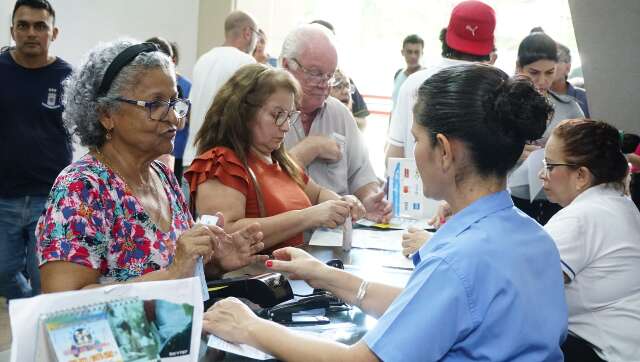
(535, 165)
(326, 237)
(398, 261)
(239, 349)
(362, 238)
(375, 239)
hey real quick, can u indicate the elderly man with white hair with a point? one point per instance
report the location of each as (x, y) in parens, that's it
(326, 140)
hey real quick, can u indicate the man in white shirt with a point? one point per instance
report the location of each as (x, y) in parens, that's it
(215, 67)
(468, 38)
(412, 47)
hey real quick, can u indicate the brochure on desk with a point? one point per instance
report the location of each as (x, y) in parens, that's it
(405, 190)
(150, 321)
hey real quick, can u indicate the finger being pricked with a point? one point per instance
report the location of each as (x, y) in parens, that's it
(283, 253)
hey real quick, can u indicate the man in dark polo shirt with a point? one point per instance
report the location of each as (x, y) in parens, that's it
(34, 145)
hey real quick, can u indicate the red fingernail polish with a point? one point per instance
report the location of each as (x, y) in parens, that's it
(269, 263)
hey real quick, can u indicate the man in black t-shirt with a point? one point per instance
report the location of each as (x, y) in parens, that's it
(34, 144)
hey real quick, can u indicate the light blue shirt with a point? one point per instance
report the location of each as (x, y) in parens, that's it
(487, 287)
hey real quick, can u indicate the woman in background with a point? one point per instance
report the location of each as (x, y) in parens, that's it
(244, 171)
(537, 59)
(598, 235)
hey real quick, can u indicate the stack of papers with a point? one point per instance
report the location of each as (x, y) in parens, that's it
(362, 238)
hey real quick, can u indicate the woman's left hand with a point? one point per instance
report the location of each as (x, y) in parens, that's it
(230, 320)
(355, 207)
(378, 209)
(238, 249)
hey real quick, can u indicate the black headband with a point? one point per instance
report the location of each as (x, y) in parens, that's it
(120, 61)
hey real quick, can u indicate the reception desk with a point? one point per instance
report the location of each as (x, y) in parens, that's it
(346, 326)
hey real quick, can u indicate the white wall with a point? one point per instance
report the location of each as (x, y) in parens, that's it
(608, 37)
(84, 23)
(6, 7)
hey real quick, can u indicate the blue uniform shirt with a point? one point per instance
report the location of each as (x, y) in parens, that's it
(34, 144)
(487, 287)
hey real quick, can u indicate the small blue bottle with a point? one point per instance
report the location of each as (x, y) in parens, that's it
(395, 191)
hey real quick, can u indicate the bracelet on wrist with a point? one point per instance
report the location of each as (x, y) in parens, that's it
(362, 292)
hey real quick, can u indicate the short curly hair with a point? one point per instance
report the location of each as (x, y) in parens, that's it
(82, 106)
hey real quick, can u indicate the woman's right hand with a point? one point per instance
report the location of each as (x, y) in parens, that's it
(329, 214)
(442, 215)
(193, 243)
(299, 265)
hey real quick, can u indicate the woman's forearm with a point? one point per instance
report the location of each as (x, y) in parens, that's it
(326, 195)
(277, 228)
(377, 298)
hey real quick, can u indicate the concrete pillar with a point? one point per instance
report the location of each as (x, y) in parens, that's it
(211, 15)
(607, 34)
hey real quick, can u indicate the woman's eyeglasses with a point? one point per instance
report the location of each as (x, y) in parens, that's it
(285, 116)
(344, 84)
(158, 110)
(548, 167)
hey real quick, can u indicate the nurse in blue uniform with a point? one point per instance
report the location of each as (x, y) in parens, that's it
(487, 286)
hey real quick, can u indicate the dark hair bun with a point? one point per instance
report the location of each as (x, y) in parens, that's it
(521, 109)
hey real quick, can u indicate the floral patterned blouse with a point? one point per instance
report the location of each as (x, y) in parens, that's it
(91, 218)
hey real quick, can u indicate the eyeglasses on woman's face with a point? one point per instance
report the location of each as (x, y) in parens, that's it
(344, 84)
(158, 110)
(280, 117)
(548, 167)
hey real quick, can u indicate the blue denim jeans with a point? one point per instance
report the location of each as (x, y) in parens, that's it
(19, 273)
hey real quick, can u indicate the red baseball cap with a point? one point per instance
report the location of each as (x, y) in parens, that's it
(471, 28)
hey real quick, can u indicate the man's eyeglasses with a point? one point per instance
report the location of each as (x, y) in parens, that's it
(548, 167)
(285, 116)
(316, 77)
(158, 110)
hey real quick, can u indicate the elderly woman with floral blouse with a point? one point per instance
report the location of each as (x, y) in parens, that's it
(117, 215)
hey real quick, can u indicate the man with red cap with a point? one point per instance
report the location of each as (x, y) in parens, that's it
(467, 38)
